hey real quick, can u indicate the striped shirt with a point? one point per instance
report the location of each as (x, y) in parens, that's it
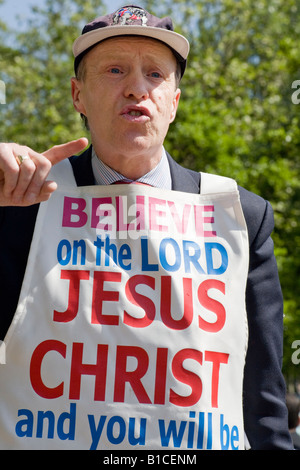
(159, 177)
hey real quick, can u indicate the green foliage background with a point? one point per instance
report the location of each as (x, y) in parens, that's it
(236, 116)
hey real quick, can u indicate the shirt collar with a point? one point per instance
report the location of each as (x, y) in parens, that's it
(159, 177)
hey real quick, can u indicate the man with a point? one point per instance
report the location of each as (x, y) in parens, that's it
(141, 288)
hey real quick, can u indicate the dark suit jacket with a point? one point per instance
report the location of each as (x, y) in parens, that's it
(265, 413)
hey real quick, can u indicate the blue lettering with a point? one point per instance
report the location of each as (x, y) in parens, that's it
(173, 256)
(98, 244)
(96, 433)
(234, 437)
(145, 261)
(111, 253)
(211, 269)
(116, 431)
(191, 257)
(201, 430)
(64, 252)
(163, 258)
(165, 436)
(124, 254)
(49, 415)
(110, 428)
(134, 441)
(64, 419)
(66, 423)
(228, 437)
(209, 431)
(76, 246)
(196, 438)
(24, 427)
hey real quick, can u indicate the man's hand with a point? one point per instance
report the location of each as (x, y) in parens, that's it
(25, 184)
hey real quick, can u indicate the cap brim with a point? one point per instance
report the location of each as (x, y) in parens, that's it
(174, 40)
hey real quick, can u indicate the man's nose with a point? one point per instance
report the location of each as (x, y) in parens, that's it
(136, 86)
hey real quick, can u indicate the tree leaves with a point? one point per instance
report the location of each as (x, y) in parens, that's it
(37, 72)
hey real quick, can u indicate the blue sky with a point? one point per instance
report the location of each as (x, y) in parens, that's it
(11, 8)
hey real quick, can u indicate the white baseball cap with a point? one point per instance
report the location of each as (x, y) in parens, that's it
(131, 20)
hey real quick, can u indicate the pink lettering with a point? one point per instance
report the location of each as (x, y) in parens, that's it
(201, 220)
(155, 213)
(74, 215)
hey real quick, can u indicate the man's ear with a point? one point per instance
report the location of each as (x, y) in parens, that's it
(175, 104)
(76, 86)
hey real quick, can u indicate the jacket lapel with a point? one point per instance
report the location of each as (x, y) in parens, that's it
(82, 168)
(184, 180)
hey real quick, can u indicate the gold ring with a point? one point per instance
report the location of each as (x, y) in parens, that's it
(21, 158)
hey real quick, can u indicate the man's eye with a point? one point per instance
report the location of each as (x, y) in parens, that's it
(115, 70)
(155, 75)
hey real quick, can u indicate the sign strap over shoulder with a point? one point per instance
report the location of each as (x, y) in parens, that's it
(211, 184)
(63, 175)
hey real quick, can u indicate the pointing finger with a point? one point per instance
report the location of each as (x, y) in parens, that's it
(63, 151)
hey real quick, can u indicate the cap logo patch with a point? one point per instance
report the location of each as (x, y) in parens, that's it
(130, 16)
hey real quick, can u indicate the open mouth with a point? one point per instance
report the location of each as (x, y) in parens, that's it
(136, 114)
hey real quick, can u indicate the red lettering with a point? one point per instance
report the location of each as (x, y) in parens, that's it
(176, 321)
(132, 377)
(70, 212)
(217, 359)
(187, 377)
(211, 305)
(100, 296)
(35, 369)
(165, 305)
(161, 376)
(140, 300)
(126, 373)
(78, 369)
(74, 277)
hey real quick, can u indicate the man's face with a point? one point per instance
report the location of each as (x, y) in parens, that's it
(128, 94)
